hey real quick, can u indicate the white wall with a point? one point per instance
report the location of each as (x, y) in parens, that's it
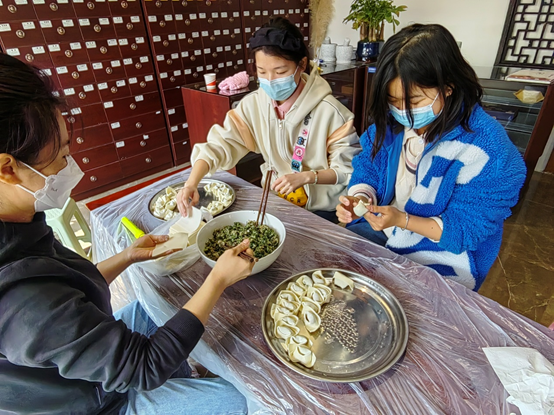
(477, 24)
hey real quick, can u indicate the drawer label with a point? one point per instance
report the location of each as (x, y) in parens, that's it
(118, 20)
(75, 45)
(227, 48)
(193, 16)
(63, 1)
(221, 65)
(237, 31)
(88, 88)
(247, 13)
(198, 52)
(5, 27)
(224, 15)
(238, 47)
(177, 73)
(112, 42)
(182, 36)
(76, 111)
(139, 98)
(97, 65)
(202, 15)
(82, 68)
(188, 71)
(152, 19)
(13, 52)
(257, 13)
(168, 17)
(61, 69)
(265, 13)
(127, 61)
(163, 75)
(248, 30)
(139, 39)
(135, 19)
(160, 58)
(120, 83)
(209, 67)
(37, 50)
(195, 34)
(226, 31)
(174, 56)
(133, 80)
(157, 38)
(184, 54)
(120, 144)
(236, 14)
(108, 104)
(84, 22)
(115, 64)
(207, 51)
(217, 32)
(28, 25)
(219, 49)
(175, 128)
(199, 69)
(229, 63)
(144, 59)
(149, 78)
(171, 111)
(67, 23)
(104, 21)
(178, 17)
(240, 62)
(47, 72)
(103, 85)
(115, 125)
(39, 2)
(45, 24)
(123, 42)
(23, 2)
(172, 37)
(215, 15)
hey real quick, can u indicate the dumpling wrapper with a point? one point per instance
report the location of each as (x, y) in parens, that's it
(360, 209)
(304, 281)
(318, 278)
(177, 241)
(303, 355)
(190, 224)
(311, 319)
(192, 238)
(342, 281)
(283, 331)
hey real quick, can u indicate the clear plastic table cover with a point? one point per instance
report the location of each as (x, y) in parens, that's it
(444, 370)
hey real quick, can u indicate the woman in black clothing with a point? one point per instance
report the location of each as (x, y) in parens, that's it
(61, 349)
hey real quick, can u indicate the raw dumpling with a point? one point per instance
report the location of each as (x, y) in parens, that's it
(321, 294)
(293, 306)
(360, 209)
(171, 205)
(288, 295)
(342, 281)
(278, 312)
(305, 282)
(284, 331)
(170, 191)
(309, 304)
(318, 278)
(291, 320)
(303, 355)
(311, 319)
(169, 215)
(298, 340)
(295, 288)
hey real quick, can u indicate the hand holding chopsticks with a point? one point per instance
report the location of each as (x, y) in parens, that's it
(265, 195)
(244, 254)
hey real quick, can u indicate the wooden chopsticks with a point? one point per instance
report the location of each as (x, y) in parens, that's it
(265, 195)
(244, 255)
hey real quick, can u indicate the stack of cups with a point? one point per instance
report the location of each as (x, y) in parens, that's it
(209, 78)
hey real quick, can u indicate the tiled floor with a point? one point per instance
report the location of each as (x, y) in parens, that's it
(522, 278)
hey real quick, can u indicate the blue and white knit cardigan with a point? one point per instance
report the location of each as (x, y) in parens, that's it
(471, 180)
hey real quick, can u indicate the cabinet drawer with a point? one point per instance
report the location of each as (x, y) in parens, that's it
(132, 106)
(114, 90)
(67, 53)
(138, 66)
(96, 157)
(81, 95)
(91, 8)
(142, 144)
(146, 161)
(167, 44)
(130, 26)
(176, 115)
(125, 7)
(72, 75)
(89, 115)
(169, 63)
(172, 79)
(158, 7)
(160, 26)
(96, 28)
(61, 30)
(143, 84)
(108, 70)
(173, 97)
(180, 133)
(99, 177)
(185, 7)
(182, 152)
(13, 10)
(17, 34)
(52, 9)
(35, 55)
(102, 50)
(87, 138)
(134, 46)
(140, 124)
(190, 42)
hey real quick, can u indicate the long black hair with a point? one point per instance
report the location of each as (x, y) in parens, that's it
(425, 56)
(292, 47)
(28, 111)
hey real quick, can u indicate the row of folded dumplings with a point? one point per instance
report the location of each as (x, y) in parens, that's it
(302, 301)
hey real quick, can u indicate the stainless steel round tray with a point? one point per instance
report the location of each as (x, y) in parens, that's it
(205, 199)
(378, 318)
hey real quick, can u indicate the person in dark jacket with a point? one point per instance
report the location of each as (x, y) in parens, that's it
(61, 349)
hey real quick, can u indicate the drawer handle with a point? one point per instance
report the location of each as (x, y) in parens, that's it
(20, 34)
(143, 84)
(124, 4)
(80, 140)
(187, 22)
(71, 120)
(148, 160)
(97, 28)
(233, 36)
(138, 65)
(54, 7)
(212, 38)
(109, 70)
(232, 19)
(69, 53)
(184, 3)
(29, 57)
(162, 23)
(172, 79)
(191, 40)
(129, 26)
(193, 58)
(165, 43)
(12, 8)
(208, 3)
(195, 75)
(216, 70)
(61, 31)
(143, 143)
(103, 50)
(158, 4)
(235, 52)
(210, 20)
(138, 125)
(169, 62)
(134, 46)
(236, 67)
(133, 106)
(82, 95)
(93, 178)
(91, 5)
(113, 89)
(214, 54)
(75, 75)
(254, 18)
(86, 160)
(229, 2)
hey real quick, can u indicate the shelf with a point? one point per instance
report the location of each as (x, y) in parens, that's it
(512, 102)
(514, 126)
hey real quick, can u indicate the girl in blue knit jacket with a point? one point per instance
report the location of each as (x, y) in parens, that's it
(437, 176)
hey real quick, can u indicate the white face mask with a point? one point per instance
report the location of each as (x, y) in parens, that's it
(57, 187)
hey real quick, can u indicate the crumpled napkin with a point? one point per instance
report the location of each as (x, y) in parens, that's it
(527, 376)
(237, 81)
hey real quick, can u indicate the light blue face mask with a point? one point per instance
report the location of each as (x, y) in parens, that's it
(422, 116)
(281, 88)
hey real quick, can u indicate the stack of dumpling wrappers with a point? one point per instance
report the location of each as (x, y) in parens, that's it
(302, 301)
(182, 233)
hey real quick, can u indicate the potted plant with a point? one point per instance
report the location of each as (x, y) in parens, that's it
(370, 17)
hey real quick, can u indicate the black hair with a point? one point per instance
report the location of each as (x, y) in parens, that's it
(295, 54)
(28, 112)
(425, 56)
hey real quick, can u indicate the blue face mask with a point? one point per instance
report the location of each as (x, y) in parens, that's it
(422, 116)
(281, 88)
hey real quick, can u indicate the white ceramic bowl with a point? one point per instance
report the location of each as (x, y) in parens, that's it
(242, 216)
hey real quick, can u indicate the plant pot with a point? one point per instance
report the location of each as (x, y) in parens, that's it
(368, 51)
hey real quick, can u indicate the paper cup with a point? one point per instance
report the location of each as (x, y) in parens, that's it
(209, 78)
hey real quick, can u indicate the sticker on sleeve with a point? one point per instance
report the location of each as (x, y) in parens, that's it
(83, 67)
(67, 23)
(103, 85)
(28, 25)
(45, 24)
(84, 22)
(120, 83)
(115, 125)
(118, 20)
(108, 104)
(88, 88)
(123, 42)
(127, 61)
(139, 98)
(61, 69)
(37, 50)
(75, 45)
(135, 19)
(149, 78)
